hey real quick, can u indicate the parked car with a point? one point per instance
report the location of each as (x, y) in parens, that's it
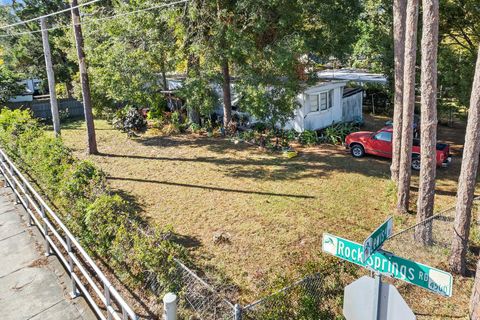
(380, 144)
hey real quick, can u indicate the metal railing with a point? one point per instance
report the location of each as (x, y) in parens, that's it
(83, 271)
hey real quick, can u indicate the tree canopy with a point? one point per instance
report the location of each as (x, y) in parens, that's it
(271, 47)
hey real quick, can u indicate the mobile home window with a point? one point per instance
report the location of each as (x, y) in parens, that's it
(323, 101)
(330, 99)
(313, 98)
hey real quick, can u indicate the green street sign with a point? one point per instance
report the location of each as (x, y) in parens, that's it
(377, 238)
(432, 279)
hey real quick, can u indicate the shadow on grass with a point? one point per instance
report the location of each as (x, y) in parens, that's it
(189, 242)
(307, 165)
(212, 188)
(133, 205)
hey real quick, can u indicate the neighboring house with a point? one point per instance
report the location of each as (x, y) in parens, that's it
(32, 87)
(326, 103)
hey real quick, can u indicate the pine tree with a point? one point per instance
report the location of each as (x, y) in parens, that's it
(428, 135)
(467, 179)
(408, 106)
(399, 12)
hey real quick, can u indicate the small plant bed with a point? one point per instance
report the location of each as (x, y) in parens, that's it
(286, 141)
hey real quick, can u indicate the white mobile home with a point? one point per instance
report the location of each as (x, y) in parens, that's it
(320, 105)
(326, 103)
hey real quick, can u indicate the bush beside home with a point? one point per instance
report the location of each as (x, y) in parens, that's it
(106, 224)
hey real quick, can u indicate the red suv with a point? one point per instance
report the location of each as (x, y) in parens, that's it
(380, 144)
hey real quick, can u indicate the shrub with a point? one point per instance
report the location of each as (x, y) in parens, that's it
(134, 121)
(308, 137)
(105, 224)
(82, 184)
(287, 136)
(102, 218)
(156, 110)
(175, 119)
(129, 119)
(248, 135)
(259, 126)
(337, 133)
(195, 127)
(47, 159)
(118, 119)
(13, 123)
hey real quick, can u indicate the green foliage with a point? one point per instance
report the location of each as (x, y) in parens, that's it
(134, 121)
(102, 219)
(287, 136)
(156, 111)
(24, 53)
(374, 47)
(106, 224)
(47, 159)
(272, 105)
(455, 76)
(318, 296)
(129, 119)
(199, 95)
(308, 137)
(194, 127)
(9, 86)
(82, 184)
(248, 135)
(337, 133)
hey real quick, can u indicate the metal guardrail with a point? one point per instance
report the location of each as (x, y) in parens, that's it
(83, 271)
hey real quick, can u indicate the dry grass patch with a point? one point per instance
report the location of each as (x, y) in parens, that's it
(274, 210)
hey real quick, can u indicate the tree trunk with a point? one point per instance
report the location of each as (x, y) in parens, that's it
(475, 298)
(51, 78)
(227, 98)
(399, 12)
(69, 87)
(408, 106)
(467, 179)
(428, 135)
(193, 69)
(164, 76)
(87, 100)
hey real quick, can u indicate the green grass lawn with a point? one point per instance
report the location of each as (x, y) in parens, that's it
(273, 209)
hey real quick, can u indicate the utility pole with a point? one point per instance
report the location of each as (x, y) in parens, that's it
(87, 100)
(50, 77)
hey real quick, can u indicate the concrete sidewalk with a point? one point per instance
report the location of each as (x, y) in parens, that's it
(32, 286)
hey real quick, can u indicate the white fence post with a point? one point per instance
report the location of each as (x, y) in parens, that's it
(170, 306)
(14, 185)
(48, 251)
(4, 166)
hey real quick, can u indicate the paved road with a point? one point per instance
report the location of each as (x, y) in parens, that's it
(32, 286)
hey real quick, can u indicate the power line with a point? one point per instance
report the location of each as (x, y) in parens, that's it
(89, 21)
(49, 15)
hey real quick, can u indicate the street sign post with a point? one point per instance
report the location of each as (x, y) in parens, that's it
(377, 238)
(387, 264)
(358, 304)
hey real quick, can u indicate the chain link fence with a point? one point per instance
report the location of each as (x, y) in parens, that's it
(200, 300)
(430, 240)
(316, 296)
(313, 297)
